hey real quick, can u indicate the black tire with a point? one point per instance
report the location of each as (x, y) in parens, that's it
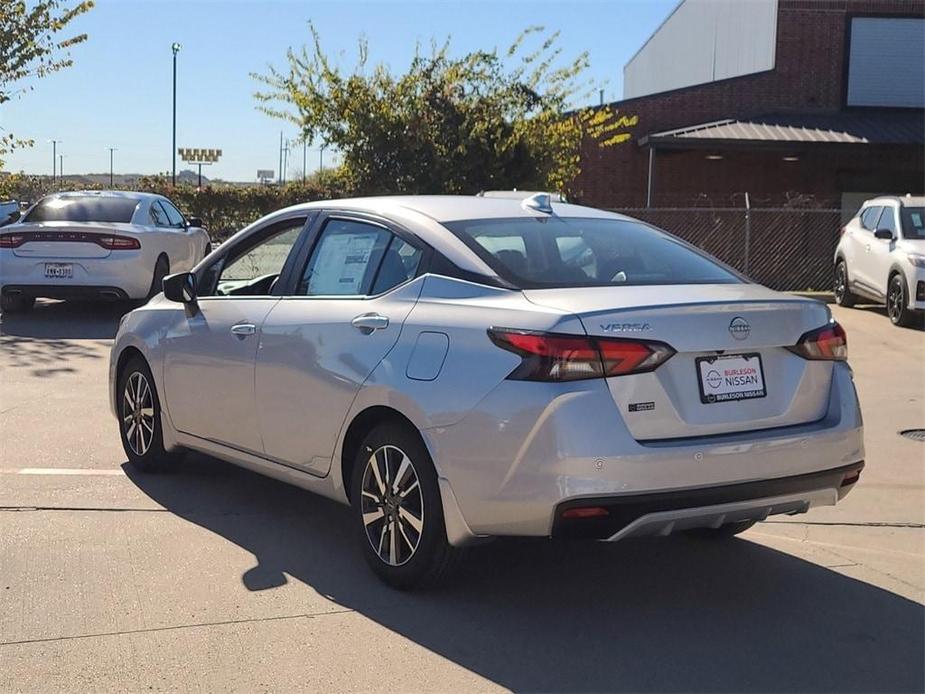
(723, 532)
(161, 270)
(897, 305)
(16, 303)
(421, 559)
(841, 290)
(151, 457)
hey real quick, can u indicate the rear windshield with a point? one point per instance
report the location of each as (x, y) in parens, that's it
(569, 252)
(83, 209)
(913, 222)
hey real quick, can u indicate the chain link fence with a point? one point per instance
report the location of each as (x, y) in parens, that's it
(782, 248)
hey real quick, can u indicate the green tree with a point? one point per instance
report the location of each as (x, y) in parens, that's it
(31, 47)
(456, 125)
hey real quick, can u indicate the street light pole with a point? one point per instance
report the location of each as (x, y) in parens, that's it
(175, 47)
(111, 150)
(54, 157)
(304, 151)
(61, 166)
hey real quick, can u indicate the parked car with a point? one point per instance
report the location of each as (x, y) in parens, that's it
(881, 258)
(436, 363)
(9, 212)
(96, 245)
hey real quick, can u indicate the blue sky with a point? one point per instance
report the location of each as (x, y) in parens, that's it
(118, 93)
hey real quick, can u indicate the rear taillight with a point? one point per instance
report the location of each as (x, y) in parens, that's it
(118, 243)
(107, 241)
(555, 357)
(828, 343)
(12, 240)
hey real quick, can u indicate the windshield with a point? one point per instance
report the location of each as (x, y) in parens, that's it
(569, 252)
(913, 222)
(83, 209)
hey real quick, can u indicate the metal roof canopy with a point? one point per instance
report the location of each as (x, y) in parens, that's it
(789, 130)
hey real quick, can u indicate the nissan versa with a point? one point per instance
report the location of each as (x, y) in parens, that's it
(458, 368)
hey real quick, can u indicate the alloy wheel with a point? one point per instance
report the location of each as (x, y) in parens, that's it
(841, 282)
(895, 302)
(138, 413)
(392, 505)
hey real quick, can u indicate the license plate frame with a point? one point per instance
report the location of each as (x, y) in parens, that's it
(713, 394)
(59, 271)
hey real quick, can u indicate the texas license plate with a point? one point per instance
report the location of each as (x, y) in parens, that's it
(730, 377)
(59, 270)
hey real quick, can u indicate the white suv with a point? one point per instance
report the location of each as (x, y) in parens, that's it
(881, 257)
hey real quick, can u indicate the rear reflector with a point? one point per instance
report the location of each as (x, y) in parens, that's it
(586, 512)
(108, 241)
(850, 478)
(828, 343)
(556, 357)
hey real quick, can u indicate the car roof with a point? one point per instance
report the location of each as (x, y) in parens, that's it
(449, 208)
(904, 200)
(123, 194)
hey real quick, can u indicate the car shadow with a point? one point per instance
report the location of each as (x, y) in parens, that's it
(55, 335)
(66, 320)
(918, 321)
(538, 615)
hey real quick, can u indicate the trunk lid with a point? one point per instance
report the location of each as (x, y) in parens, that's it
(703, 322)
(62, 240)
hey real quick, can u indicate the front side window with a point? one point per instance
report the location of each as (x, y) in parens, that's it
(253, 269)
(913, 222)
(158, 216)
(888, 220)
(345, 259)
(83, 208)
(870, 216)
(569, 252)
(174, 218)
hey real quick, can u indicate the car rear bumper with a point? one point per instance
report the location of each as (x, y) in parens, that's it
(573, 446)
(126, 273)
(662, 513)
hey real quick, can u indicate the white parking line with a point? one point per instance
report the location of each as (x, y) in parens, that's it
(60, 471)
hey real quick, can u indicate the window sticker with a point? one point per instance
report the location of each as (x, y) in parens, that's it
(341, 264)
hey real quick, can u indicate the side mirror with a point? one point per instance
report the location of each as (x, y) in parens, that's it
(884, 234)
(194, 222)
(181, 287)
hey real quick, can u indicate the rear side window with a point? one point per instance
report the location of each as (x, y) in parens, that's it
(74, 208)
(569, 252)
(870, 216)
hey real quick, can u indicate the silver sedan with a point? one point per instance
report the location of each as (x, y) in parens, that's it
(461, 368)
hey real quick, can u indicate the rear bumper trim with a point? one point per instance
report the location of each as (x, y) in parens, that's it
(664, 512)
(50, 291)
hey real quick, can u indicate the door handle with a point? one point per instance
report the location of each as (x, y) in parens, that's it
(243, 329)
(368, 323)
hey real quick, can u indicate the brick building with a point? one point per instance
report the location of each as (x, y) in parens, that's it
(808, 102)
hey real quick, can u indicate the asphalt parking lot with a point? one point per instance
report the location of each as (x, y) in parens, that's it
(215, 579)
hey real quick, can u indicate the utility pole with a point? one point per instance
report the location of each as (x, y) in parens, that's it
(54, 157)
(285, 159)
(61, 166)
(111, 150)
(321, 157)
(175, 47)
(279, 178)
(304, 151)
